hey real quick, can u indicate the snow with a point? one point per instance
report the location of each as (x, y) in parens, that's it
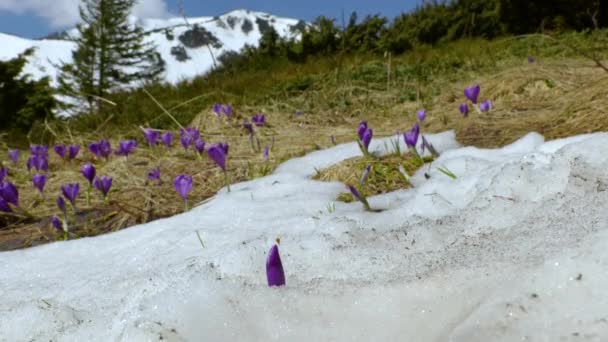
(513, 249)
(49, 53)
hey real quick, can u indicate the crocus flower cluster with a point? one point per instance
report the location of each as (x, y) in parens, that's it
(101, 149)
(126, 147)
(365, 137)
(274, 268)
(39, 158)
(189, 135)
(472, 94)
(220, 109)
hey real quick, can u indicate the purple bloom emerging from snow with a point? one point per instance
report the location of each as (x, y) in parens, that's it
(411, 138)
(61, 150)
(56, 222)
(9, 193)
(217, 109)
(103, 184)
(265, 154)
(14, 155)
(167, 139)
(199, 145)
(227, 110)
(73, 151)
(355, 193)
(88, 171)
(70, 192)
(183, 186)
(38, 162)
(274, 268)
(485, 106)
(154, 174)
(421, 115)
(151, 136)
(39, 150)
(464, 109)
(367, 138)
(39, 182)
(3, 174)
(61, 204)
(259, 120)
(365, 174)
(218, 154)
(126, 147)
(472, 93)
(361, 130)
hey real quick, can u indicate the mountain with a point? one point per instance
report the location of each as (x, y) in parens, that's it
(186, 45)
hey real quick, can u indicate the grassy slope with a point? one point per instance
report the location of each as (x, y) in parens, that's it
(561, 94)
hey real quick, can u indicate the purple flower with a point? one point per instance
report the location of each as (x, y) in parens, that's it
(464, 109)
(365, 174)
(88, 171)
(421, 115)
(248, 126)
(4, 206)
(14, 155)
(361, 130)
(217, 109)
(126, 147)
(103, 184)
(94, 148)
(265, 154)
(3, 174)
(531, 59)
(411, 138)
(56, 222)
(73, 151)
(188, 136)
(485, 106)
(167, 139)
(61, 204)
(355, 193)
(183, 186)
(101, 149)
(39, 150)
(151, 136)
(38, 162)
(227, 110)
(274, 268)
(299, 112)
(472, 93)
(70, 192)
(367, 138)
(61, 150)
(9, 193)
(39, 182)
(154, 174)
(258, 120)
(199, 145)
(218, 154)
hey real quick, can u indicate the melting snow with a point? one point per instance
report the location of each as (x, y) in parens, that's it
(513, 249)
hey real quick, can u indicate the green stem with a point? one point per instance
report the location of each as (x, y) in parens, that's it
(227, 180)
(185, 205)
(89, 195)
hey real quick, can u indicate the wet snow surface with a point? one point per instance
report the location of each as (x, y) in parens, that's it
(514, 249)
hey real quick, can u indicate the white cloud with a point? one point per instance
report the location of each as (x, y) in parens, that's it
(64, 13)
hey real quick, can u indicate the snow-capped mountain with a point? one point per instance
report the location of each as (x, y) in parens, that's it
(188, 46)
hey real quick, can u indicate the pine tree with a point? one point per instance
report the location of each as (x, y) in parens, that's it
(111, 53)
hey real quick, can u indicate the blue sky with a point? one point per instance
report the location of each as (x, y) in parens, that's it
(37, 18)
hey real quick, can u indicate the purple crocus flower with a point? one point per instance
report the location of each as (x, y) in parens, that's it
(14, 155)
(472, 93)
(361, 130)
(258, 120)
(154, 174)
(39, 150)
(265, 154)
(199, 145)
(167, 139)
(126, 147)
(151, 136)
(88, 171)
(38, 162)
(274, 268)
(73, 151)
(464, 109)
(364, 175)
(56, 223)
(105, 149)
(4, 206)
(183, 186)
(3, 174)
(9, 193)
(227, 110)
(70, 192)
(367, 138)
(248, 126)
(94, 148)
(411, 138)
(61, 150)
(188, 136)
(61, 204)
(531, 59)
(218, 154)
(217, 109)
(485, 106)
(421, 115)
(39, 182)
(355, 193)
(103, 184)
(186, 140)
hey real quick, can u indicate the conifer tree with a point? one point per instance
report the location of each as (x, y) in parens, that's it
(111, 53)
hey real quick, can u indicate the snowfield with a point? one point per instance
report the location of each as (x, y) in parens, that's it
(514, 249)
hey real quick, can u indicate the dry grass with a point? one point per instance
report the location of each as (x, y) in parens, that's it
(555, 97)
